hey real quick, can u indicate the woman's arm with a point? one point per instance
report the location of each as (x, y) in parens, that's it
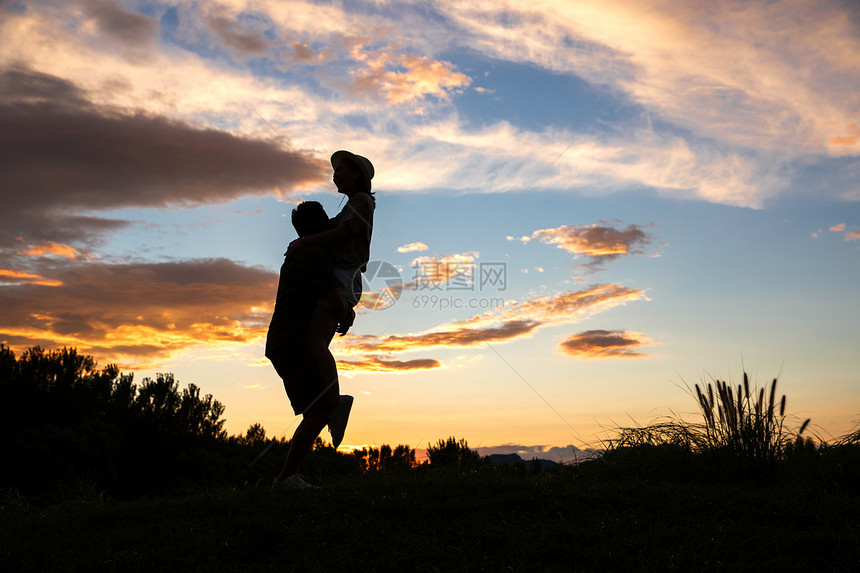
(330, 237)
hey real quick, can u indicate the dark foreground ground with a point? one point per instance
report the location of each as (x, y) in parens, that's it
(442, 522)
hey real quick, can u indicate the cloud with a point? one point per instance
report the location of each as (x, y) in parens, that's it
(198, 88)
(849, 235)
(10, 277)
(783, 85)
(850, 139)
(169, 81)
(405, 78)
(513, 321)
(439, 269)
(418, 246)
(114, 20)
(53, 248)
(601, 243)
(143, 310)
(303, 53)
(382, 364)
(384, 298)
(452, 335)
(63, 153)
(527, 453)
(593, 344)
(235, 37)
(500, 157)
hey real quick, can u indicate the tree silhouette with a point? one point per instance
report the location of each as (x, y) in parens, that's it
(63, 419)
(254, 436)
(385, 459)
(453, 455)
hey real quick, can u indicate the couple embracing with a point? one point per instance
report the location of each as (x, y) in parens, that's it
(320, 284)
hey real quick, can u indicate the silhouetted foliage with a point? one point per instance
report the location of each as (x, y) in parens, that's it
(452, 454)
(255, 435)
(71, 426)
(743, 437)
(385, 459)
(64, 419)
(65, 422)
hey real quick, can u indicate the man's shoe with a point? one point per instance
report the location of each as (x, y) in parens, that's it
(339, 418)
(294, 481)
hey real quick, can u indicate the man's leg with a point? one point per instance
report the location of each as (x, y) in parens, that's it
(313, 421)
(321, 331)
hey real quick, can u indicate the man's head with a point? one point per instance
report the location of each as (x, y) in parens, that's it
(309, 218)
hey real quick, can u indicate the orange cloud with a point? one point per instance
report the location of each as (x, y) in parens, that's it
(511, 322)
(417, 246)
(137, 310)
(837, 228)
(599, 242)
(851, 139)
(593, 344)
(452, 335)
(852, 235)
(380, 364)
(53, 248)
(437, 269)
(15, 277)
(593, 240)
(386, 297)
(405, 79)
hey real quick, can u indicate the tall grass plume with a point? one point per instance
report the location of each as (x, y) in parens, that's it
(746, 425)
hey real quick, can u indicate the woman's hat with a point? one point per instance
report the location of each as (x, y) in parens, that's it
(363, 163)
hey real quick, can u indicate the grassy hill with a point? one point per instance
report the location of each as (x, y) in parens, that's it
(101, 474)
(486, 520)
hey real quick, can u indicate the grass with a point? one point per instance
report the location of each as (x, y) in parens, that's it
(440, 521)
(739, 491)
(744, 424)
(743, 434)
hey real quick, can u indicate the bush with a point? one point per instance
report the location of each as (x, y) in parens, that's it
(455, 455)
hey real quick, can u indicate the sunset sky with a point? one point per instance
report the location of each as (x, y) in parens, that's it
(590, 204)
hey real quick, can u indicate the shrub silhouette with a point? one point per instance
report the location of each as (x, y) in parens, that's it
(452, 454)
(384, 459)
(255, 435)
(64, 419)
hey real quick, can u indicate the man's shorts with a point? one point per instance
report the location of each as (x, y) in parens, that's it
(302, 379)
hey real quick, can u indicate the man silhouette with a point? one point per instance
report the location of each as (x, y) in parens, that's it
(307, 279)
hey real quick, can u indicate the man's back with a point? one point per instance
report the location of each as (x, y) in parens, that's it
(305, 276)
